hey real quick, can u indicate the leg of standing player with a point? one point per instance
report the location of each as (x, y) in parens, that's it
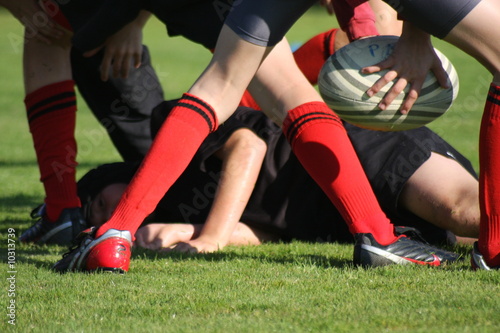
(467, 25)
(51, 107)
(482, 44)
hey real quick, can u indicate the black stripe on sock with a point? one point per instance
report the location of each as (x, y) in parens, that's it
(494, 95)
(53, 108)
(300, 121)
(201, 112)
(495, 90)
(51, 99)
(326, 44)
(202, 103)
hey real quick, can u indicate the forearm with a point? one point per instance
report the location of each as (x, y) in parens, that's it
(111, 17)
(414, 34)
(142, 19)
(245, 235)
(239, 174)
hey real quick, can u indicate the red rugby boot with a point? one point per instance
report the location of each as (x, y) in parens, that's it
(107, 253)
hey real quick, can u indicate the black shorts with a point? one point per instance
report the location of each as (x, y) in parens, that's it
(269, 20)
(437, 17)
(390, 158)
(197, 20)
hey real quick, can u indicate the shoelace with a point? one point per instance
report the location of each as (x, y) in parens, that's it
(411, 233)
(79, 240)
(38, 211)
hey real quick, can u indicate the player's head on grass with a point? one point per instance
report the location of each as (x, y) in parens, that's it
(101, 188)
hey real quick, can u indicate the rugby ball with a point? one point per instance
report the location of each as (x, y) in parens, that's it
(343, 88)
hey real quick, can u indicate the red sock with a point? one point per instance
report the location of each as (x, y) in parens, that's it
(321, 143)
(52, 117)
(178, 139)
(311, 56)
(489, 179)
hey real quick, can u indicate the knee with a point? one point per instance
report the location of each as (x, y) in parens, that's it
(463, 214)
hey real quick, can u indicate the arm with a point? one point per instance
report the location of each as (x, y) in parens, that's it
(122, 48)
(158, 236)
(242, 157)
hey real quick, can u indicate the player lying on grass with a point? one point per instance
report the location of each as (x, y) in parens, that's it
(245, 176)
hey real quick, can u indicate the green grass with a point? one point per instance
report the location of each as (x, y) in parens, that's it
(296, 287)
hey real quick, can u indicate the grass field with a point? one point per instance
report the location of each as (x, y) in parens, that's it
(297, 287)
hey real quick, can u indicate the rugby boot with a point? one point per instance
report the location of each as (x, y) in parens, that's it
(61, 232)
(108, 253)
(477, 260)
(369, 253)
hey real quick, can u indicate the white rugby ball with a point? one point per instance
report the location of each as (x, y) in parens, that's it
(343, 88)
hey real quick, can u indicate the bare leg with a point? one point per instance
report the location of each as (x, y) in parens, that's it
(279, 85)
(45, 64)
(386, 18)
(442, 192)
(476, 36)
(51, 109)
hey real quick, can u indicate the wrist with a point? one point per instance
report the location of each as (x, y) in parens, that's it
(414, 33)
(142, 18)
(187, 232)
(216, 241)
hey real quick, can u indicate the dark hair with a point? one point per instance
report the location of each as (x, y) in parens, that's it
(97, 179)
